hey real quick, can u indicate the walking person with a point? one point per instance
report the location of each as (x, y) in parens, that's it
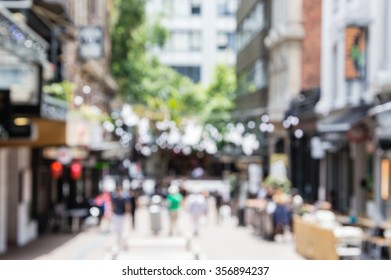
(174, 200)
(218, 203)
(133, 200)
(120, 205)
(198, 208)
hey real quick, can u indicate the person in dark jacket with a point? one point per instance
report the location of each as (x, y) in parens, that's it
(120, 205)
(133, 200)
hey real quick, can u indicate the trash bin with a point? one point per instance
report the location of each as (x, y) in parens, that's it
(155, 212)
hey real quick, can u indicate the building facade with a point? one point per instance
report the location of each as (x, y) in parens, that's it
(355, 77)
(253, 22)
(300, 118)
(57, 93)
(293, 43)
(30, 45)
(202, 35)
(284, 45)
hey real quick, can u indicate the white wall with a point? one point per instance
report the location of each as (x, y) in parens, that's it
(20, 228)
(27, 229)
(337, 93)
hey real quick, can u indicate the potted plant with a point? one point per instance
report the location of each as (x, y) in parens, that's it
(278, 182)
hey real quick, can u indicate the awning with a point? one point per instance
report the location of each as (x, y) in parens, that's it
(47, 133)
(53, 12)
(96, 71)
(304, 104)
(342, 121)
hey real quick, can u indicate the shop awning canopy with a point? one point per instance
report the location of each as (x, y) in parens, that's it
(303, 105)
(342, 121)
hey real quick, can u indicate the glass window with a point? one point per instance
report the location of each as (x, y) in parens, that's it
(250, 26)
(227, 7)
(260, 80)
(184, 41)
(195, 41)
(254, 78)
(180, 41)
(222, 41)
(225, 40)
(196, 7)
(193, 72)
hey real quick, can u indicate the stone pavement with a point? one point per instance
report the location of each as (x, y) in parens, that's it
(216, 241)
(224, 241)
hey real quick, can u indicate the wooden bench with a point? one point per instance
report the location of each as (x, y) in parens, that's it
(317, 243)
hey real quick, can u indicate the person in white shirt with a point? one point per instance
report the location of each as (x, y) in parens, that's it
(197, 207)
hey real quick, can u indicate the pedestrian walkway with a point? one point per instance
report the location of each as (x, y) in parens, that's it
(215, 241)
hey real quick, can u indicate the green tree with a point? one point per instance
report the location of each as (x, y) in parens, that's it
(128, 39)
(156, 91)
(141, 78)
(219, 98)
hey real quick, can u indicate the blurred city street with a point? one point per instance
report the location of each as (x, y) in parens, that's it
(275, 112)
(215, 242)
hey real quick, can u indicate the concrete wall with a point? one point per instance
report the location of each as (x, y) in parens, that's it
(284, 43)
(336, 91)
(20, 229)
(3, 200)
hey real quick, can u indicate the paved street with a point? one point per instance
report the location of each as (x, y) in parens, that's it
(215, 241)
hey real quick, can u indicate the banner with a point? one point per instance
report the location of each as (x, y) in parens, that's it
(356, 52)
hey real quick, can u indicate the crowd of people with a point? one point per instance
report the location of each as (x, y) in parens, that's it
(175, 198)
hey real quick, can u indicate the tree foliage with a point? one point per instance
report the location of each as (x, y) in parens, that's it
(220, 96)
(128, 40)
(156, 91)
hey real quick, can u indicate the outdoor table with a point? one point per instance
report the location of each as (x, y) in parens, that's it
(363, 222)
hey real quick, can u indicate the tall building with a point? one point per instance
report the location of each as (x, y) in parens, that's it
(253, 23)
(300, 119)
(202, 35)
(293, 43)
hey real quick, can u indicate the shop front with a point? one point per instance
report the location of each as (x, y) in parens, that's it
(29, 118)
(346, 169)
(382, 137)
(300, 121)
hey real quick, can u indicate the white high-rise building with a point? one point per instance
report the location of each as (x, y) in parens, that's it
(202, 35)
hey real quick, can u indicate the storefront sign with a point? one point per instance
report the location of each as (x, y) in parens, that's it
(23, 82)
(91, 42)
(64, 154)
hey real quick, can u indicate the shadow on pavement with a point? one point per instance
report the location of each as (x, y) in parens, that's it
(42, 245)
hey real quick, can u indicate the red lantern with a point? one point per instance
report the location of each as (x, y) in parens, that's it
(56, 170)
(76, 170)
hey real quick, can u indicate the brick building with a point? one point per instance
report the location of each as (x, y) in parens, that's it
(294, 44)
